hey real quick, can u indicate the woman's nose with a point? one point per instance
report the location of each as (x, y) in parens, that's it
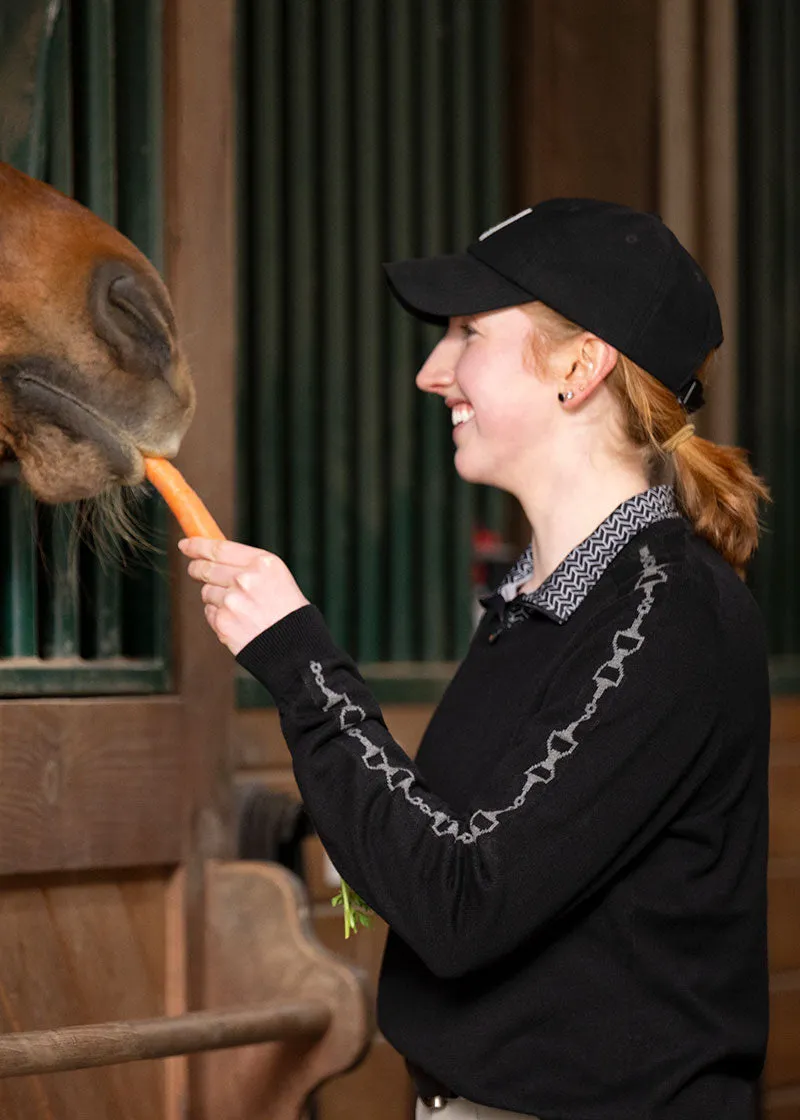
(435, 376)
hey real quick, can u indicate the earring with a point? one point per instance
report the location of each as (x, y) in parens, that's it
(566, 396)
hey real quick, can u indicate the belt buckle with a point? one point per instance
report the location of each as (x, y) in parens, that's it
(435, 1103)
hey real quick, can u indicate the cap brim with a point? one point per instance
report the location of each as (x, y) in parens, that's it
(437, 288)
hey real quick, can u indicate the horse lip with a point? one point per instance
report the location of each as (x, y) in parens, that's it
(81, 420)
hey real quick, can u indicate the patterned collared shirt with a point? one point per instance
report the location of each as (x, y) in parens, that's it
(565, 589)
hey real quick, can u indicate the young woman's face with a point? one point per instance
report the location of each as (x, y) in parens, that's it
(503, 407)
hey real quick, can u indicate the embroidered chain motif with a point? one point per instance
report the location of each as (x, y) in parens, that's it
(560, 743)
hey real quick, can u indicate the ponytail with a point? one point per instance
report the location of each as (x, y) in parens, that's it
(714, 484)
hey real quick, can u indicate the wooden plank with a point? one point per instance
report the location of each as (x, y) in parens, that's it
(786, 719)
(144, 894)
(380, 1086)
(784, 916)
(24, 1097)
(104, 956)
(40, 991)
(782, 1104)
(90, 783)
(784, 794)
(176, 1070)
(199, 87)
(781, 1066)
(679, 151)
(721, 204)
(584, 136)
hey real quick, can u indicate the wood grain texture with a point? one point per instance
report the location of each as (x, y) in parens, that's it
(784, 793)
(784, 1040)
(784, 915)
(786, 719)
(782, 1104)
(260, 945)
(90, 784)
(95, 1045)
(199, 90)
(69, 955)
(378, 1089)
(583, 100)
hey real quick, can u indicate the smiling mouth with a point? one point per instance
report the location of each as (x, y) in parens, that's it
(462, 414)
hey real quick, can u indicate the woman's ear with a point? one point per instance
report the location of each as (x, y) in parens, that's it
(590, 365)
(598, 359)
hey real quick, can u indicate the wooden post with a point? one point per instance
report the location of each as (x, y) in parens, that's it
(104, 1044)
(200, 270)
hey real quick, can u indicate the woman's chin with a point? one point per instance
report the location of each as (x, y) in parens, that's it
(470, 471)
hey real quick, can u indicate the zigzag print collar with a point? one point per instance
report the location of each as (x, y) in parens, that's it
(563, 592)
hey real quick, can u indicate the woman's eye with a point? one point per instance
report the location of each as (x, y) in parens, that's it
(467, 330)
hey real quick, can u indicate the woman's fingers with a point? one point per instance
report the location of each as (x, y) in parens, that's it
(206, 571)
(213, 595)
(230, 553)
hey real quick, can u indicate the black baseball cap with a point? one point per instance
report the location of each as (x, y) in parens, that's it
(614, 271)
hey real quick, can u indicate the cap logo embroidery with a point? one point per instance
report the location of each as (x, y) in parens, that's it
(507, 222)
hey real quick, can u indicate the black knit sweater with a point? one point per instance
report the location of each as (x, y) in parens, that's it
(574, 868)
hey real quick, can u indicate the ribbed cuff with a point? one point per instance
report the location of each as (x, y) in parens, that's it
(276, 655)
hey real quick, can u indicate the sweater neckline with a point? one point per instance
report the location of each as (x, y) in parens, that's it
(565, 589)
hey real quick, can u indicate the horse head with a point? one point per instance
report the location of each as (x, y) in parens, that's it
(91, 374)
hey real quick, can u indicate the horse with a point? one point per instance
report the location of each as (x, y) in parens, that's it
(92, 376)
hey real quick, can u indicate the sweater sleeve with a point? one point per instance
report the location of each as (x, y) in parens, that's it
(620, 741)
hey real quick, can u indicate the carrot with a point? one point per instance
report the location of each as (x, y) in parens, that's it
(192, 515)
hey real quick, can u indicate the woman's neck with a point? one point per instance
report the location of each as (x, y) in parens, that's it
(570, 511)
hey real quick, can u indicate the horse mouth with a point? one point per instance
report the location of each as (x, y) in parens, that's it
(81, 422)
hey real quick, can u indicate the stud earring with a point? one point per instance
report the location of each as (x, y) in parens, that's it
(566, 396)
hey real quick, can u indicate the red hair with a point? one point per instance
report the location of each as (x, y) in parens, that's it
(714, 484)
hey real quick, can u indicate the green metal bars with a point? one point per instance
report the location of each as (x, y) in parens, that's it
(369, 130)
(770, 308)
(70, 624)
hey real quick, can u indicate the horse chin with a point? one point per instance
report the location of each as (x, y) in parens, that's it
(56, 467)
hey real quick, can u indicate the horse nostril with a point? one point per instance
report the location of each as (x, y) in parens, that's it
(133, 317)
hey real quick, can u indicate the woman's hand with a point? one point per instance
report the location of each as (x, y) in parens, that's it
(245, 590)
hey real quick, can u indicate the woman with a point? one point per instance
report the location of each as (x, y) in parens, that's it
(574, 868)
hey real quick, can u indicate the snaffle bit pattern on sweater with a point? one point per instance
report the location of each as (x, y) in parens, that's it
(561, 743)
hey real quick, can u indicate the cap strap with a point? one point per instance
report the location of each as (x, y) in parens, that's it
(691, 396)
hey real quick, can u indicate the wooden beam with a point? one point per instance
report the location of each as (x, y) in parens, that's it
(698, 175)
(721, 210)
(200, 270)
(583, 100)
(88, 783)
(679, 149)
(105, 1044)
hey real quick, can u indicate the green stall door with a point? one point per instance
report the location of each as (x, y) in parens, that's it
(81, 107)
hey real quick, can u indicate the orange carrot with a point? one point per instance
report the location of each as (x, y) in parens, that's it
(192, 515)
